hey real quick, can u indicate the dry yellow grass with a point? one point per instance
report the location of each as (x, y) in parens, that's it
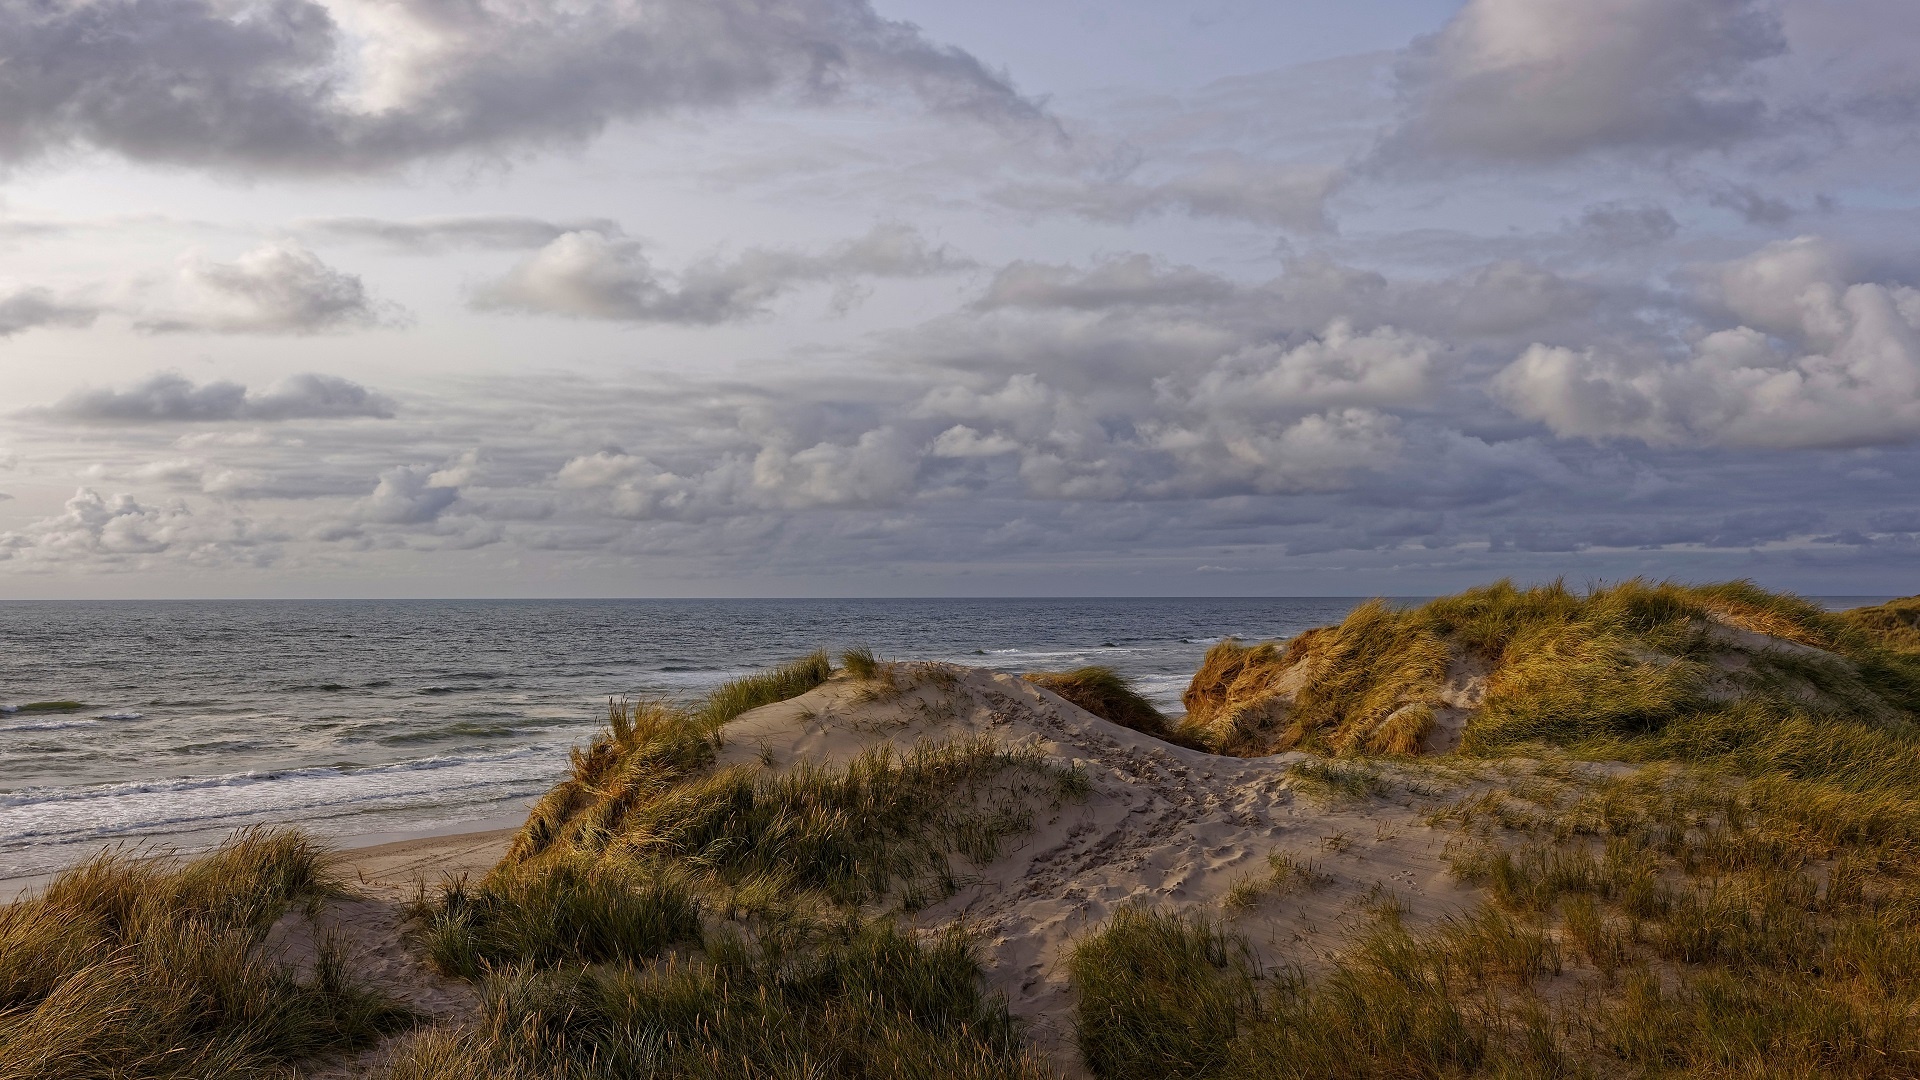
(131, 968)
(1619, 662)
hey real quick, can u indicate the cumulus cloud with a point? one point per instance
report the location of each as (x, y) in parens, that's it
(280, 288)
(435, 235)
(30, 308)
(408, 495)
(592, 275)
(875, 469)
(120, 532)
(1383, 367)
(1539, 81)
(341, 85)
(173, 398)
(1816, 361)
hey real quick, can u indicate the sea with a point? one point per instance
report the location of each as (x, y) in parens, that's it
(369, 720)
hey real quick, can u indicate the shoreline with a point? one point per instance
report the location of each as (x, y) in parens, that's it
(383, 860)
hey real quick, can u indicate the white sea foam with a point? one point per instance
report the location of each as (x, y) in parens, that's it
(53, 724)
(1163, 690)
(306, 796)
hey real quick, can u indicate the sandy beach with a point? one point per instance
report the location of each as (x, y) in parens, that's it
(387, 865)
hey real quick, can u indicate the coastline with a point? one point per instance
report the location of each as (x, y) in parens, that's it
(385, 861)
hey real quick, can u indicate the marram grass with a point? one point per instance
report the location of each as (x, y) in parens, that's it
(131, 967)
(1636, 670)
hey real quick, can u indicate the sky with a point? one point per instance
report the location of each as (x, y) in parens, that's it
(913, 297)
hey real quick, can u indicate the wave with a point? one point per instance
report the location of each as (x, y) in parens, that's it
(48, 725)
(1163, 690)
(307, 795)
(451, 731)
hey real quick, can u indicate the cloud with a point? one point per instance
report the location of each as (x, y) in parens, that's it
(1540, 81)
(342, 86)
(121, 533)
(1754, 206)
(1230, 187)
(1124, 281)
(30, 308)
(877, 468)
(1745, 529)
(1623, 224)
(435, 235)
(1815, 361)
(592, 275)
(172, 398)
(280, 288)
(1318, 452)
(1383, 367)
(408, 495)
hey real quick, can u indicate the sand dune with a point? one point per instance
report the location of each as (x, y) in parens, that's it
(1160, 824)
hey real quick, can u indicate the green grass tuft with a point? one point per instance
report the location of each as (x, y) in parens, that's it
(1160, 995)
(1338, 781)
(860, 663)
(789, 680)
(557, 911)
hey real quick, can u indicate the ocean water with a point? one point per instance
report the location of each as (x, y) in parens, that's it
(359, 718)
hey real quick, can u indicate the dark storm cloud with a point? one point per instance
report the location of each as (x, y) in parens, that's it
(172, 398)
(305, 86)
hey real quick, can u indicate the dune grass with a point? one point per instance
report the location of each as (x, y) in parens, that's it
(647, 748)
(131, 967)
(1639, 669)
(860, 663)
(1285, 874)
(1160, 995)
(557, 911)
(1895, 624)
(1369, 685)
(862, 999)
